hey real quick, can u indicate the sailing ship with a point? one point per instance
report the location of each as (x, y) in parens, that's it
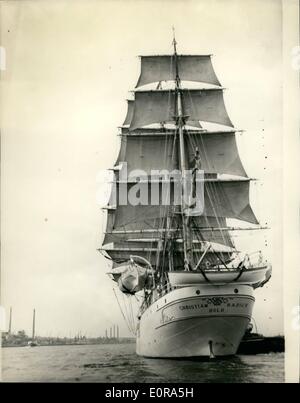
(196, 287)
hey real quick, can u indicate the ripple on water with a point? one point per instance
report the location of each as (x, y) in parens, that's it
(119, 363)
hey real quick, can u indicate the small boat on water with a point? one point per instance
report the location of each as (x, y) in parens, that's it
(32, 344)
(255, 343)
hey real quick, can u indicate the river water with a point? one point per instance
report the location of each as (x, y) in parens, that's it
(119, 363)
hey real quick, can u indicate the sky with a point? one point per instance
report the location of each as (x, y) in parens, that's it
(69, 67)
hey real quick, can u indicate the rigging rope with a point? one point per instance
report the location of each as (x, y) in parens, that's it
(124, 317)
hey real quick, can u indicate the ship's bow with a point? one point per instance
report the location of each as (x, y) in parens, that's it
(196, 321)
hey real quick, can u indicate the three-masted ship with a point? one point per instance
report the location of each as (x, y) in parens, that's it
(177, 254)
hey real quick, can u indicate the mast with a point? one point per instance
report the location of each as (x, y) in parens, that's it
(180, 124)
(33, 325)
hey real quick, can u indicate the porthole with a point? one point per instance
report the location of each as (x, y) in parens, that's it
(198, 292)
(236, 291)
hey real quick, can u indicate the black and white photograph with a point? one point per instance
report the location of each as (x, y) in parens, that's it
(149, 193)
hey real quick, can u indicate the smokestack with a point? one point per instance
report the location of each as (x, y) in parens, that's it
(118, 332)
(114, 331)
(33, 325)
(110, 332)
(106, 333)
(10, 319)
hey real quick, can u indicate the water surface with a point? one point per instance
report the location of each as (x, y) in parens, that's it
(119, 363)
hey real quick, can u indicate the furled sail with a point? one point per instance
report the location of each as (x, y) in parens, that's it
(191, 68)
(121, 255)
(160, 106)
(151, 229)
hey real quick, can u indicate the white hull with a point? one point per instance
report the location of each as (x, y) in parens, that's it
(196, 321)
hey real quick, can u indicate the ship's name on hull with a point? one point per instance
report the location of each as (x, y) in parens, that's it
(221, 305)
(207, 306)
(227, 305)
